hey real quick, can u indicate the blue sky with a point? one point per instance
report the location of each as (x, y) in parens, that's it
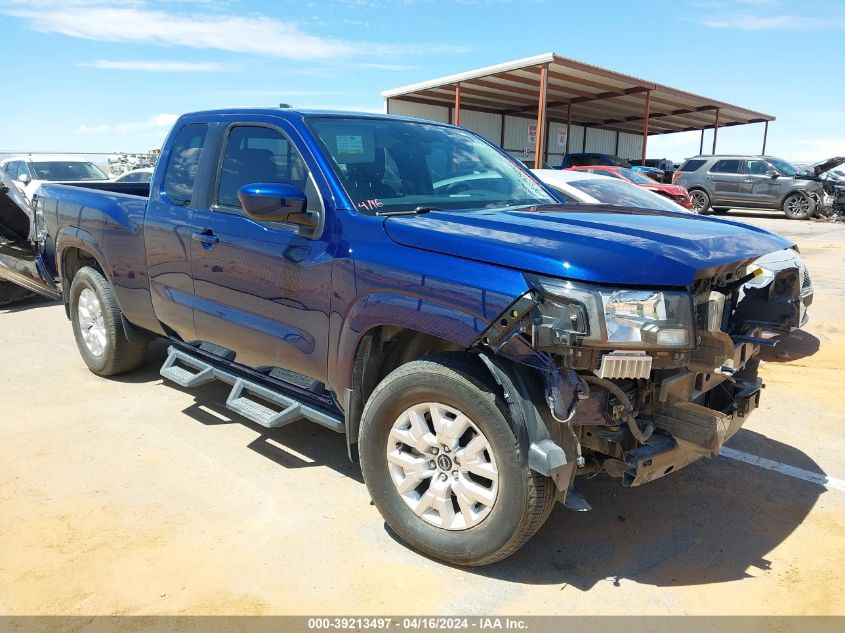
(112, 76)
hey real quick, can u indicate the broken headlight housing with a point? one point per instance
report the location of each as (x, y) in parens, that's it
(573, 313)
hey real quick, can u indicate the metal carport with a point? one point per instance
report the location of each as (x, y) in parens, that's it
(548, 91)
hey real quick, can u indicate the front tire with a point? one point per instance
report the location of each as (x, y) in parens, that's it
(798, 207)
(98, 328)
(441, 463)
(700, 201)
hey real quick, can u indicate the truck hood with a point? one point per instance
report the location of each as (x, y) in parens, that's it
(826, 165)
(594, 243)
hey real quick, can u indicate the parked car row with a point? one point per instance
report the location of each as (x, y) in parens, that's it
(656, 169)
(675, 193)
(717, 183)
(31, 170)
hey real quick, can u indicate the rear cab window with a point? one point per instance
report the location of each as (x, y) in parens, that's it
(182, 167)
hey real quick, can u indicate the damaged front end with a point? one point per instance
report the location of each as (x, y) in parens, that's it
(638, 383)
(22, 270)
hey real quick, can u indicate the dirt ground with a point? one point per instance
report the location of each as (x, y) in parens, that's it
(130, 496)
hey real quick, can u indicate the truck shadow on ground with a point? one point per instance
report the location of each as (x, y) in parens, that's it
(30, 303)
(790, 347)
(715, 521)
(298, 445)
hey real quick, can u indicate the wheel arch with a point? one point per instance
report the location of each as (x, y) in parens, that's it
(71, 259)
(791, 192)
(379, 350)
(701, 188)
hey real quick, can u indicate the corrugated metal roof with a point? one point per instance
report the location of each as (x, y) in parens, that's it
(597, 97)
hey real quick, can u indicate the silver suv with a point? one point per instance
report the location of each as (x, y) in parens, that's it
(758, 182)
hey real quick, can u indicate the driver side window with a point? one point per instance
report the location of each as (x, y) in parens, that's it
(757, 167)
(257, 154)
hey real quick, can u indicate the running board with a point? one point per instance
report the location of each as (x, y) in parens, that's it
(265, 406)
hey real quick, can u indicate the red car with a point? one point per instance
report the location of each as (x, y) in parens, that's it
(675, 193)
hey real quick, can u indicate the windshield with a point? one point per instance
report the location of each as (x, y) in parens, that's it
(393, 165)
(636, 178)
(624, 194)
(57, 170)
(787, 169)
(619, 162)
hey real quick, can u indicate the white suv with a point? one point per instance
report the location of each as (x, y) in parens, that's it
(30, 170)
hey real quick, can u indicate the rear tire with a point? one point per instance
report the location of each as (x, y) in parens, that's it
(98, 328)
(480, 519)
(798, 207)
(700, 201)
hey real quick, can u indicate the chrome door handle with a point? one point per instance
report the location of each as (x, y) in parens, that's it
(205, 238)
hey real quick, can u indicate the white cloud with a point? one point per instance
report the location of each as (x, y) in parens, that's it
(257, 34)
(156, 122)
(393, 67)
(784, 22)
(160, 66)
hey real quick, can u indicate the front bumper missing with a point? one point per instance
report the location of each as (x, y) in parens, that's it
(691, 431)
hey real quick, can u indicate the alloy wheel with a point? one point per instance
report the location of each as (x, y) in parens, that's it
(92, 322)
(698, 200)
(798, 205)
(442, 466)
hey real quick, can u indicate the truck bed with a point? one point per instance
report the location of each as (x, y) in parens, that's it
(129, 188)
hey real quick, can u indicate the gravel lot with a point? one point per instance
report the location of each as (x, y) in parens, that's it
(129, 496)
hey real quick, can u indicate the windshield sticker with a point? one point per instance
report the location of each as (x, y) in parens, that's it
(350, 144)
(370, 205)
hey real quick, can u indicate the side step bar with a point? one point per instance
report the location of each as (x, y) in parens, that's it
(264, 406)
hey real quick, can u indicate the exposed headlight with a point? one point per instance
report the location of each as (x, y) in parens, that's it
(771, 266)
(595, 316)
(764, 278)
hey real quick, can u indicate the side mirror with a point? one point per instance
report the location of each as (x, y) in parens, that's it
(24, 178)
(272, 201)
(772, 173)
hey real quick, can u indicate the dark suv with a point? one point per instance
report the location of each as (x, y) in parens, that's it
(758, 182)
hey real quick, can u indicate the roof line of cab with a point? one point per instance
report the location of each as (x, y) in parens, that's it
(291, 113)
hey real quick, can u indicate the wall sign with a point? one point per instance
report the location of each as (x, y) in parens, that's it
(561, 137)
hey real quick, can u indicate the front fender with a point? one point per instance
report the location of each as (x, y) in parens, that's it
(415, 313)
(438, 295)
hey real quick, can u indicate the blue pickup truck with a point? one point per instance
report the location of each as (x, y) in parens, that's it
(407, 284)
